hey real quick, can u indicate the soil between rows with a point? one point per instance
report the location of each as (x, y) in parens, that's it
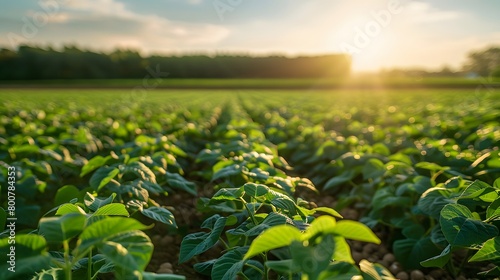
(167, 245)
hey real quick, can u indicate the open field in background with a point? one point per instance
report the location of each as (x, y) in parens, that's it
(354, 83)
(393, 159)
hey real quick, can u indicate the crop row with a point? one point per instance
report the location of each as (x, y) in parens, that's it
(421, 168)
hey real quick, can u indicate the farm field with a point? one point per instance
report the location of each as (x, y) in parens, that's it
(250, 184)
(164, 81)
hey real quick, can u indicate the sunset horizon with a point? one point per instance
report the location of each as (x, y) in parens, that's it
(379, 35)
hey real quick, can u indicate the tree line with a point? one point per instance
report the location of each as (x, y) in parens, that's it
(36, 63)
(479, 63)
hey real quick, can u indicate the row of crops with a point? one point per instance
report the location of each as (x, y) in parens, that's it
(251, 184)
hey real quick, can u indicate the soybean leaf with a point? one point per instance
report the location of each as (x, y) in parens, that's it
(227, 171)
(272, 219)
(321, 225)
(285, 204)
(328, 210)
(284, 266)
(229, 265)
(493, 210)
(228, 194)
(69, 208)
(373, 168)
(340, 271)
(371, 271)
(94, 203)
(197, 243)
(488, 252)
(66, 194)
(210, 222)
(255, 190)
(112, 209)
(313, 259)
(153, 188)
(461, 228)
(355, 231)
(431, 166)
(433, 200)
(205, 268)
(275, 237)
(31, 256)
(59, 229)
(160, 214)
(104, 230)
(439, 260)
(437, 237)
(385, 197)
(119, 255)
(102, 264)
(346, 176)
(140, 170)
(134, 246)
(342, 252)
(410, 252)
(102, 176)
(176, 181)
(93, 164)
(479, 190)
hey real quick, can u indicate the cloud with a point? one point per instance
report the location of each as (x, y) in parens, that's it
(150, 32)
(106, 24)
(101, 7)
(421, 12)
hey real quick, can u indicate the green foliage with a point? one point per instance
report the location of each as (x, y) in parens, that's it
(89, 243)
(474, 229)
(93, 167)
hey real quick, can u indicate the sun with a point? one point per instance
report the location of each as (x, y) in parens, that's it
(371, 43)
(375, 55)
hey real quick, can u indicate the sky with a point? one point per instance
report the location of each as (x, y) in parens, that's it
(379, 34)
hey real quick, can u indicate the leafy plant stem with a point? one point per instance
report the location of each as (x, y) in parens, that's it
(435, 175)
(432, 225)
(243, 276)
(226, 246)
(266, 274)
(352, 184)
(250, 213)
(451, 268)
(256, 268)
(462, 264)
(68, 264)
(89, 266)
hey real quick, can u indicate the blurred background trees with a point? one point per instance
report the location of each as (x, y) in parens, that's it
(484, 62)
(34, 63)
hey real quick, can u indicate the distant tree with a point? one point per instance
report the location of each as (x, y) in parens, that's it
(446, 71)
(496, 73)
(70, 62)
(483, 62)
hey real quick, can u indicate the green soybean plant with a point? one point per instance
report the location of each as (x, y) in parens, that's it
(319, 252)
(253, 209)
(82, 241)
(134, 183)
(470, 223)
